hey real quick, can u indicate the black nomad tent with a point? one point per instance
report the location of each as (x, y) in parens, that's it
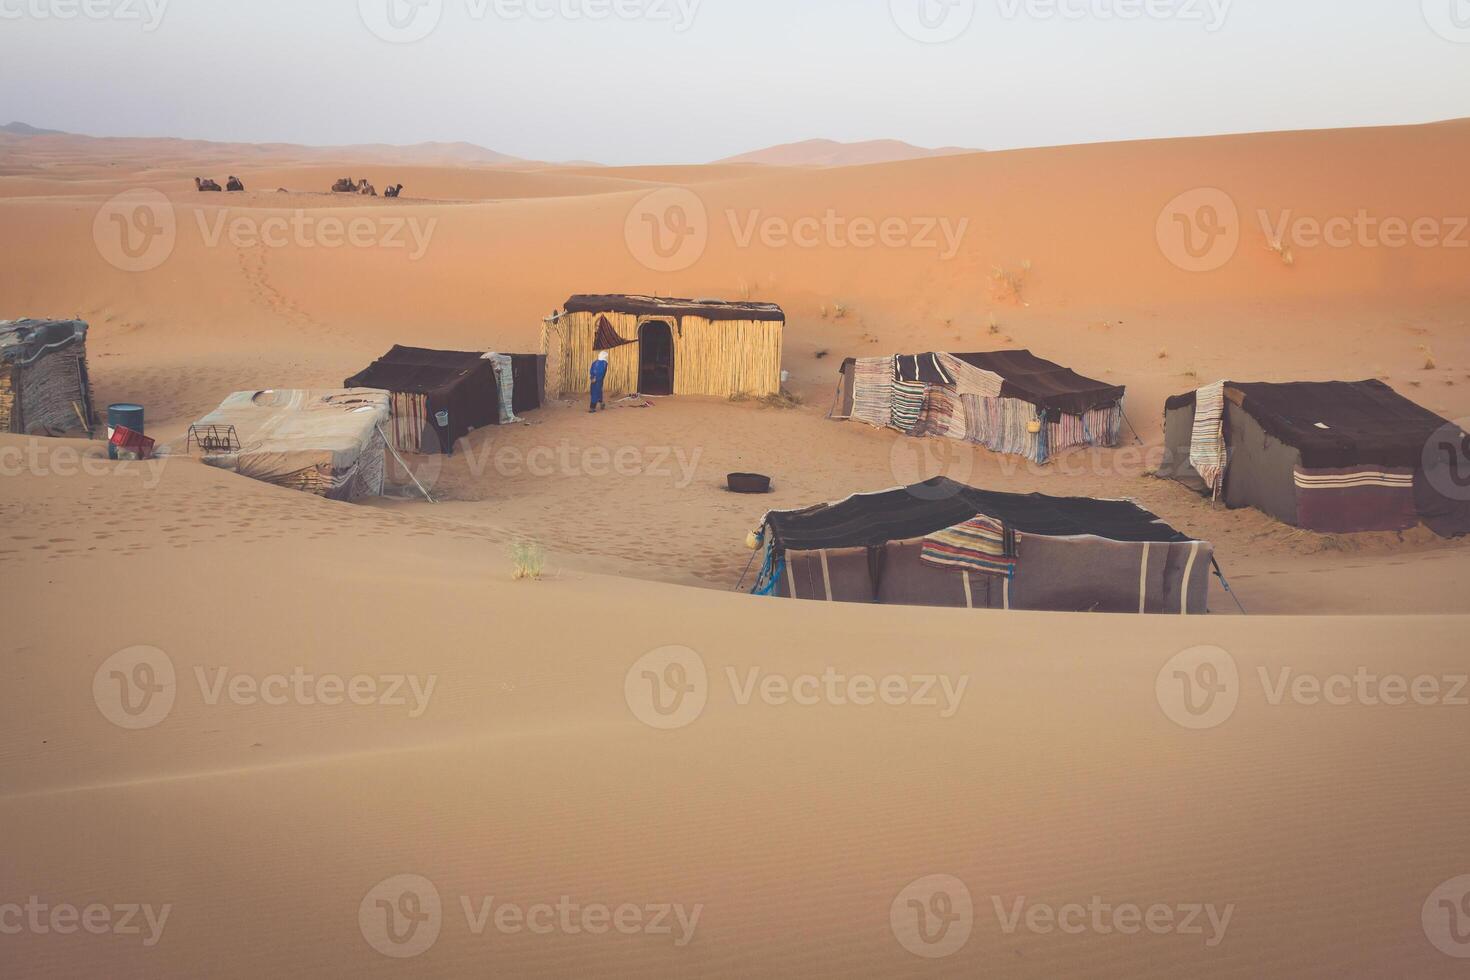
(1332, 456)
(424, 383)
(941, 543)
(44, 386)
(1007, 401)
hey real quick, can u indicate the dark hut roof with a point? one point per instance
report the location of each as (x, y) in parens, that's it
(418, 370)
(1336, 423)
(1044, 383)
(23, 341)
(710, 309)
(866, 520)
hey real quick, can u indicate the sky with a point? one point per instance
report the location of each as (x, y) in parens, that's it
(689, 81)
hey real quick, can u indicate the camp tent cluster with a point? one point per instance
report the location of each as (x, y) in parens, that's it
(662, 346)
(1330, 456)
(329, 443)
(439, 397)
(941, 543)
(44, 385)
(1007, 401)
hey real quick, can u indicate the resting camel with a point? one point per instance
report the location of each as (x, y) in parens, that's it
(367, 190)
(393, 191)
(235, 184)
(345, 186)
(205, 184)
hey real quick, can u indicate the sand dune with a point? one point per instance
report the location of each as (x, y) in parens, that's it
(831, 153)
(528, 775)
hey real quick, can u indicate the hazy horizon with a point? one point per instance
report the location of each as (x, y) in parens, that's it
(691, 81)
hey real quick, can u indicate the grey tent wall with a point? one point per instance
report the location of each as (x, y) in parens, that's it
(1178, 437)
(1262, 472)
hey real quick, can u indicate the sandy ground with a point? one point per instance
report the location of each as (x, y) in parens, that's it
(528, 771)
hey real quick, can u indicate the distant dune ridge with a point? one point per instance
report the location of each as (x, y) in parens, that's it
(832, 153)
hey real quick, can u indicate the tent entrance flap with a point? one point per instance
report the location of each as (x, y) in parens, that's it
(656, 358)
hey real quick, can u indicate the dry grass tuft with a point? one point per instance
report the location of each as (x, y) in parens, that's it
(527, 560)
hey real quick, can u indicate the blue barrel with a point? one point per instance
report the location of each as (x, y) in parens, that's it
(122, 416)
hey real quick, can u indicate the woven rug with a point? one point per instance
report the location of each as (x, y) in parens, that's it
(1207, 451)
(908, 405)
(981, 544)
(872, 395)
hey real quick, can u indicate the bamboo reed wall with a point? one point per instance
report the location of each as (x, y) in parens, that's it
(9, 418)
(723, 358)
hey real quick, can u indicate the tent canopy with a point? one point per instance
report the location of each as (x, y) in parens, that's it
(1044, 383)
(421, 371)
(23, 341)
(867, 520)
(1336, 424)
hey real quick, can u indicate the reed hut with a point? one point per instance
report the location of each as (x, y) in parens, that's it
(44, 386)
(660, 346)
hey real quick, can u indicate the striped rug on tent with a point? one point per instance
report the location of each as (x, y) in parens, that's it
(981, 544)
(872, 395)
(1207, 451)
(908, 404)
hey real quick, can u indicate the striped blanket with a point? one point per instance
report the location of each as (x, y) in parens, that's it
(908, 405)
(1208, 453)
(872, 396)
(981, 544)
(505, 371)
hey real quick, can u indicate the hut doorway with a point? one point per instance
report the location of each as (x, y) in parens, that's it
(656, 358)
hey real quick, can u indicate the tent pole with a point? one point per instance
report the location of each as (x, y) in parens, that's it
(1137, 438)
(1220, 574)
(746, 572)
(401, 463)
(835, 397)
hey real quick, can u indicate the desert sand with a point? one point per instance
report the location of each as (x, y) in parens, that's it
(530, 774)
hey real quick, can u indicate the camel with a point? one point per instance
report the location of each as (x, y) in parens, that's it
(205, 184)
(393, 191)
(235, 184)
(367, 190)
(345, 186)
